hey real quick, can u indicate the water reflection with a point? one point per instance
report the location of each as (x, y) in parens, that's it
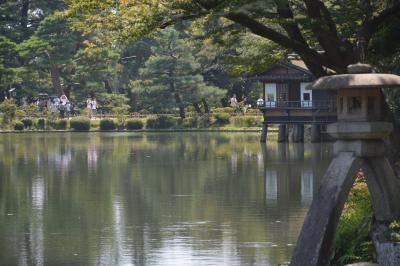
(153, 199)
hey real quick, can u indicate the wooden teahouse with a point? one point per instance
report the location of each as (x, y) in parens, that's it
(288, 102)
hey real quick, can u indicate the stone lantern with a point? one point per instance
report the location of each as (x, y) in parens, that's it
(360, 130)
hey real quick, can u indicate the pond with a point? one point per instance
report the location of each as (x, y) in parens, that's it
(153, 198)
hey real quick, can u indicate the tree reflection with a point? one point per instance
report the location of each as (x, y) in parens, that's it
(91, 198)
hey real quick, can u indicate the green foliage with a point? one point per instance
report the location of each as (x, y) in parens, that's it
(80, 123)
(112, 102)
(8, 63)
(395, 231)
(9, 109)
(41, 123)
(18, 125)
(27, 122)
(31, 110)
(161, 122)
(223, 110)
(190, 122)
(352, 243)
(172, 77)
(60, 124)
(204, 121)
(221, 118)
(134, 124)
(254, 111)
(107, 124)
(247, 121)
(20, 112)
(94, 124)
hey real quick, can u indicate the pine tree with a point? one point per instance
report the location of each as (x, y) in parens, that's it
(171, 76)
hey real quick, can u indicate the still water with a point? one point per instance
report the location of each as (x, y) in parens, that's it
(153, 199)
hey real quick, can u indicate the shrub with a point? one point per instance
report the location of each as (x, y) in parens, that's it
(162, 122)
(204, 121)
(239, 121)
(27, 122)
(80, 123)
(8, 108)
(223, 110)
(41, 123)
(60, 124)
(107, 124)
(253, 111)
(120, 124)
(254, 121)
(19, 125)
(190, 122)
(134, 124)
(247, 121)
(221, 118)
(94, 123)
(20, 113)
(31, 109)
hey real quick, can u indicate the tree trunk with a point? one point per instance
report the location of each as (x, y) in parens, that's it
(108, 86)
(196, 108)
(56, 80)
(180, 105)
(24, 16)
(206, 108)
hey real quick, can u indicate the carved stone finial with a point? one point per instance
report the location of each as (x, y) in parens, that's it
(359, 68)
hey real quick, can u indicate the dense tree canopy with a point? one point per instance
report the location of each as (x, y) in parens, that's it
(326, 34)
(85, 47)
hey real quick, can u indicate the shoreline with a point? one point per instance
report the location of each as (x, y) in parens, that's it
(139, 131)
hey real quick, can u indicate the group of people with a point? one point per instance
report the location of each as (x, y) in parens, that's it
(56, 104)
(234, 102)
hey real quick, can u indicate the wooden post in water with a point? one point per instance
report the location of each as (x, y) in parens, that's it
(283, 133)
(315, 133)
(360, 131)
(264, 133)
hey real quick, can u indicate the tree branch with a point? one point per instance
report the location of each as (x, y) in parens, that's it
(325, 31)
(268, 33)
(376, 21)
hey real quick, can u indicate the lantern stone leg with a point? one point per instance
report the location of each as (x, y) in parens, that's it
(384, 188)
(318, 232)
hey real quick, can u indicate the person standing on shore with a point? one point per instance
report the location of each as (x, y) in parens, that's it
(89, 107)
(94, 107)
(68, 109)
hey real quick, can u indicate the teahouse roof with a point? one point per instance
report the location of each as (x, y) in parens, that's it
(294, 72)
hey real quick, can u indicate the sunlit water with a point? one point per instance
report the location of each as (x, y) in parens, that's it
(153, 199)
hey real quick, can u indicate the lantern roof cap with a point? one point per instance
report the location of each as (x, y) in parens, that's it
(359, 76)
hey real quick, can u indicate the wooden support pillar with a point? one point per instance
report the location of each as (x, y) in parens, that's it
(298, 133)
(315, 133)
(282, 133)
(264, 132)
